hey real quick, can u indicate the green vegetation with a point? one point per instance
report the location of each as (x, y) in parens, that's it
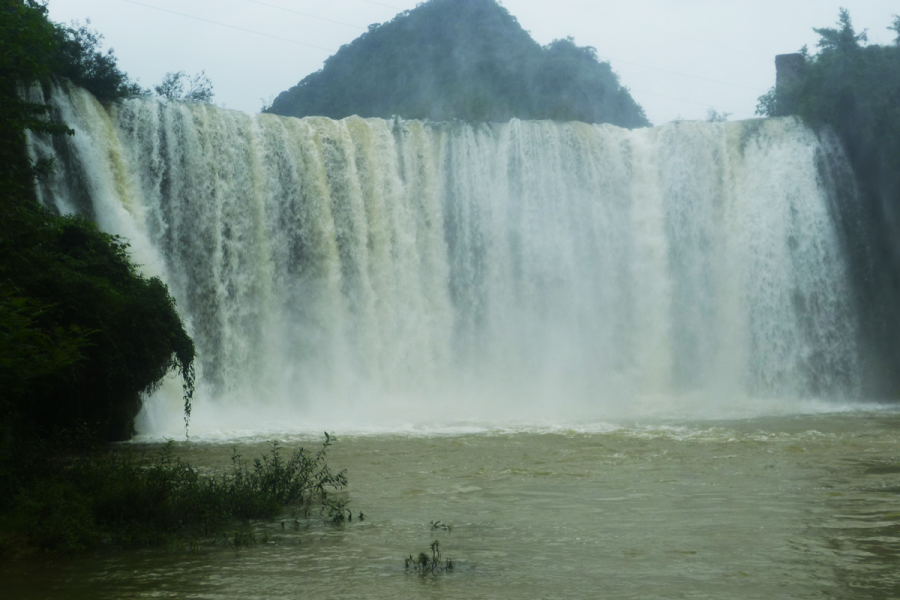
(846, 85)
(854, 89)
(79, 57)
(74, 504)
(469, 59)
(82, 334)
(178, 86)
(423, 563)
(714, 116)
(27, 47)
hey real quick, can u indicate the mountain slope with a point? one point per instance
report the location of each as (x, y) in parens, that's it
(461, 59)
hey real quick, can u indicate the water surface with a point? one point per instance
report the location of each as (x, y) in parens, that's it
(790, 506)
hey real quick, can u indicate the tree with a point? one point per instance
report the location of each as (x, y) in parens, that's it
(82, 334)
(27, 47)
(75, 303)
(79, 57)
(178, 86)
(714, 116)
(844, 39)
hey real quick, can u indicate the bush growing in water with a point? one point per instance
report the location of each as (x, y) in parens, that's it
(119, 497)
(429, 564)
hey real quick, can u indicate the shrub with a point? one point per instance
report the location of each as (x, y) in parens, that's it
(119, 497)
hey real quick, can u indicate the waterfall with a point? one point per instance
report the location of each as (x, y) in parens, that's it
(409, 270)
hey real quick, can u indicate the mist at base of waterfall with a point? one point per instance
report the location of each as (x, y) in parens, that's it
(221, 419)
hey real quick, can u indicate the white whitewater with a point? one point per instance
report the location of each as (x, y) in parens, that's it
(367, 271)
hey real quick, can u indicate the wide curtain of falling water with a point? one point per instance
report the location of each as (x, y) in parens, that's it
(516, 268)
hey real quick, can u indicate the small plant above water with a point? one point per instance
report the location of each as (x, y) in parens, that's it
(437, 525)
(429, 564)
(336, 511)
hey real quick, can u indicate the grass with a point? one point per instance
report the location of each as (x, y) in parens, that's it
(75, 504)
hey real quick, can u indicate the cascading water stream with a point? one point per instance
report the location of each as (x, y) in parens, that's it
(364, 270)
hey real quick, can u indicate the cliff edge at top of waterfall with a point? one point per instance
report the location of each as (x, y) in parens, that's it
(470, 60)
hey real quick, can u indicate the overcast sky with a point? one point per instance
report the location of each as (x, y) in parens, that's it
(678, 58)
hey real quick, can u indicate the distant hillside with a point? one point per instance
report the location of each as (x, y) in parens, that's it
(462, 59)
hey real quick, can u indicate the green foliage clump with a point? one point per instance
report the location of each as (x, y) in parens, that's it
(123, 499)
(273, 482)
(461, 59)
(82, 334)
(846, 85)
(854, 89)
(29, 353)
(79, 57)
(33, 49)
(851, 87)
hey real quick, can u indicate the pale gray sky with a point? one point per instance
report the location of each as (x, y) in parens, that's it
(679, 58)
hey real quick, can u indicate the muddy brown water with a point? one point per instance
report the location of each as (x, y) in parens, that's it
(779, 507)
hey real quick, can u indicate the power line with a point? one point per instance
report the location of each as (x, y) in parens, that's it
(597, 12)
(625, 62)
(672, 33)
(385, 5)
(686, 101)
(388, 6)
(363, 29)
(606, 58)
(297, 12)
(758, 90)
(229, 26)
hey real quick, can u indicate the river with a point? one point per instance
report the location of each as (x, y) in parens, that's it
(799, 506)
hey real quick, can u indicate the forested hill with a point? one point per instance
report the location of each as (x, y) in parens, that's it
(462, 59)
